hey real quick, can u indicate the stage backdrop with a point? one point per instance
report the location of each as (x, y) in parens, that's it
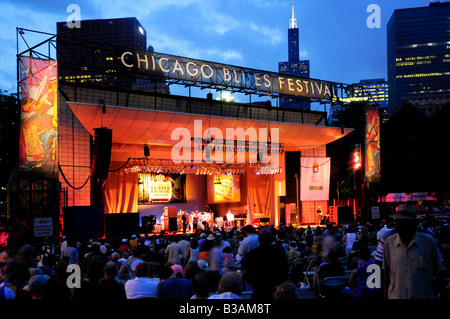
(314, 178)
(38, 129)
(120, 192)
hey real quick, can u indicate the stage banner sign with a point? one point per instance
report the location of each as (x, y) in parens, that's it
(39, 123)
(221, 75)
(372, 145)
(314, 178)
(161, 188)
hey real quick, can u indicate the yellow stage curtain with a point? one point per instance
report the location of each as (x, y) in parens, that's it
(120, 193)
(259, 196)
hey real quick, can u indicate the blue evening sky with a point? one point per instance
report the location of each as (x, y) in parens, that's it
(334, 34)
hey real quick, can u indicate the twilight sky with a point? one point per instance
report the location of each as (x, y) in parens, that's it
(334, 34)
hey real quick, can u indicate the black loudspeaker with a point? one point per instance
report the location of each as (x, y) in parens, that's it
(173, 224)
(121, 225)
(148, 221)
(83, 222)
(102, 152)
(345, 214)
(264, 220)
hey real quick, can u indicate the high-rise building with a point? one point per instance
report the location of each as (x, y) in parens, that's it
(418, 53)
(86, 54)
(294, 66)
(375, 90)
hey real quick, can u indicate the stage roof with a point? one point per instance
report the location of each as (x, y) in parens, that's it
(135, 126)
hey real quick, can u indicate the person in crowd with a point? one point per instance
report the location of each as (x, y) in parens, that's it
(108, 289)
(216, 256)
(142, 286)
(329, 268)
(184, 248)
(174, 287)
(191, 269)
(348, 239)
(265, 267)
(232, 241)
(357, 282)
(227, 255)
(70, 252)
(250, 242)
(286, 290)
(133, 242)
(411, 259)
(205, 248)
(200, 285)
(193, 251)
(382, 235)
(173, 251)
(125, 247)
(230, 286)
(36, 285)
(177, 271)
(56, 287)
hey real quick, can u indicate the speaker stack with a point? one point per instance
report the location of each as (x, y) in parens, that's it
(101, 156)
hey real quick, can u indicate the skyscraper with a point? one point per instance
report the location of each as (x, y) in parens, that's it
(418, 47)
(294, 66)
(378, 90)
(86, 54)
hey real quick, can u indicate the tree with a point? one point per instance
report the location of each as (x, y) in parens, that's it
(9, 140)
(341, 151)
(416, 151)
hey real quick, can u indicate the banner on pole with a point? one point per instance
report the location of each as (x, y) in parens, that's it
(314, 178)
(38, 129)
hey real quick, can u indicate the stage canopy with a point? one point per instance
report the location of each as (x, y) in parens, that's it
(132, 128)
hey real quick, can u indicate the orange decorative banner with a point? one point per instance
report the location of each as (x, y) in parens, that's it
(372, 151)
(39, 105)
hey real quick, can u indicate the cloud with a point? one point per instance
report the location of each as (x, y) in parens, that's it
(273, 36)
(140, 9)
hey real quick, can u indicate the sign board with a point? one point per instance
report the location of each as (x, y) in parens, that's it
(314, 178)
(375, 212)
(43, 226)
(223, 75)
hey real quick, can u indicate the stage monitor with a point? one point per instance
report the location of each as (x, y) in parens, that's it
(161, 188)
(223, 189)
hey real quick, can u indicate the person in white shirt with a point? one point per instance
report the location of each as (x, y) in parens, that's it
(173, 252)
(144, 284)
(250, 242)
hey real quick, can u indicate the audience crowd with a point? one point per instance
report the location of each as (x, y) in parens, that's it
(266, 263)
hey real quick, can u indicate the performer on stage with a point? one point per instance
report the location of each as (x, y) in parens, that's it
(195, 220)
(184, 220)
(162, 222)
(230, 219)
(191, 221)
(320, 215)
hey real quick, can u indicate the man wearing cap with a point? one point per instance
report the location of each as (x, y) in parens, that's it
(411, 259)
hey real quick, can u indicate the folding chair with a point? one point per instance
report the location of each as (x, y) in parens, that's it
(231, 264)
(308, 273)
(332, 286)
